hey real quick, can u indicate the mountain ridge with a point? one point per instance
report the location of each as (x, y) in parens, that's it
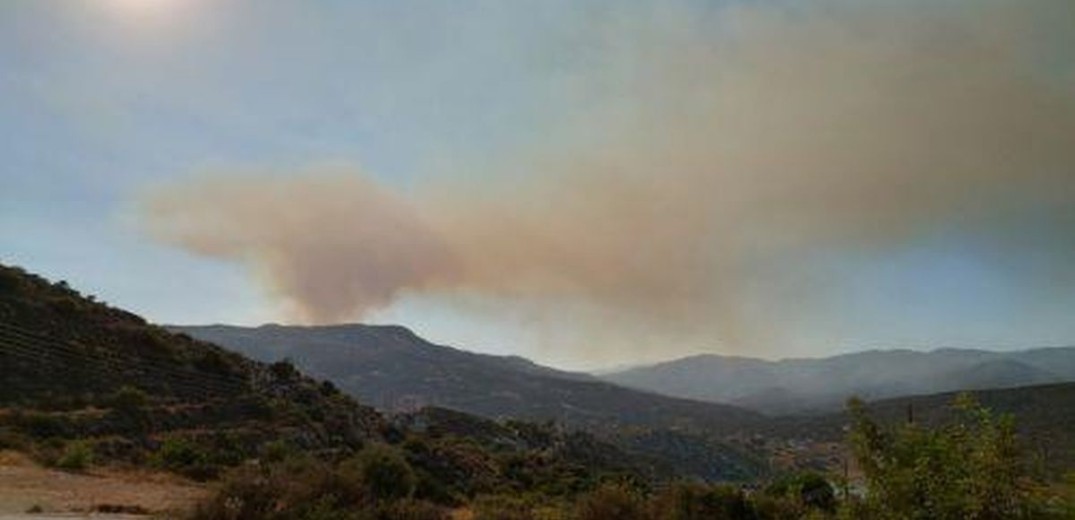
(393, 368)
(821, 385)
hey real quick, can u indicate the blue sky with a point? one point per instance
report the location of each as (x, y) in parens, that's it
(103, 101)
(97, 107)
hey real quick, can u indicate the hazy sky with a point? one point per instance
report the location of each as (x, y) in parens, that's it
(583, 183)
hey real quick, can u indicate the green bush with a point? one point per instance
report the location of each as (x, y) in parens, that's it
(129, 410)
(297, 488)
(970, 468)
(186, 458)
(386, 473)
(77, 456)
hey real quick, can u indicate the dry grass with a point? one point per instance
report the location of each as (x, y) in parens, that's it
(24, 484)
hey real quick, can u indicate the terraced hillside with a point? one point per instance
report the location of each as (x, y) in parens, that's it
(80, 375)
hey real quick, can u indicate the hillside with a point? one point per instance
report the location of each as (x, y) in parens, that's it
(1044, 416)
(395, 369)
(78, 371)
(796, 386)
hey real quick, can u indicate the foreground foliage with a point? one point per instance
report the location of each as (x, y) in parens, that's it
(379, 483)
(971, 468)
(375, 484)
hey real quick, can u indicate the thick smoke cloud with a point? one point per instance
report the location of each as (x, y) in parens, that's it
(332, 244)
(701, 161)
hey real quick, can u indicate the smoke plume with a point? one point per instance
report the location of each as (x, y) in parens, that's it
(702, 160)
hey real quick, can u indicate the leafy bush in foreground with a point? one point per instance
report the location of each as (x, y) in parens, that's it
(374, 485)
(969, 469)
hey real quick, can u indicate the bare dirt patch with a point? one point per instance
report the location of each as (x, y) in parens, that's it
(24, 485)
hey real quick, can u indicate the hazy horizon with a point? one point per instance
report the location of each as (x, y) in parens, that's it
(582, 184)
(616, 367)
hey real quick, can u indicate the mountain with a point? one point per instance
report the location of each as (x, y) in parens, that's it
(395, 369)
(824, 384)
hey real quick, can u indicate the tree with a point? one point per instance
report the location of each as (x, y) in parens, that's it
(970, 468)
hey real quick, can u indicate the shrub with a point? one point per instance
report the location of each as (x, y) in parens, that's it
(386, 473)
(284, 370)
(970, 468)
(697, 502)
(77, 456)
(129, 409)
(611, 501)
(300, 487)
(186, 458)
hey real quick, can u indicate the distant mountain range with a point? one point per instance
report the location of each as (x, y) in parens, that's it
(393, 369)
(798, 386)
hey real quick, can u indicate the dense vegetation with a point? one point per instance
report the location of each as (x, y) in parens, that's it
(1045, 420)
(969, 468)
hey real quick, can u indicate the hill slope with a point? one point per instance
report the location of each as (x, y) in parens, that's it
(821, 385)
(1044, 416)
(75, 369)
(397, 370)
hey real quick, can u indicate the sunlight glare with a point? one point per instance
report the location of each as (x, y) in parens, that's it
(145, 10)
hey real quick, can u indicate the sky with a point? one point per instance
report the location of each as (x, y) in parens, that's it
(587, 184)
